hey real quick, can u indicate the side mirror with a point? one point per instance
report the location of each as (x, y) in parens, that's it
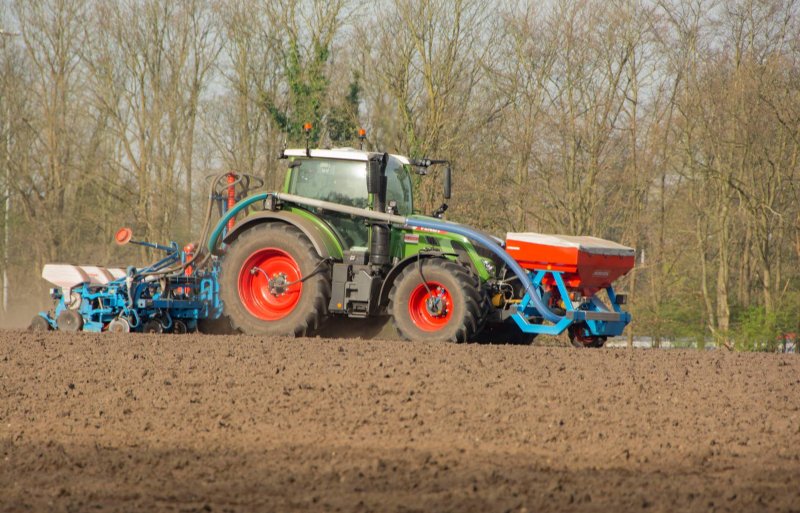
(447, 182)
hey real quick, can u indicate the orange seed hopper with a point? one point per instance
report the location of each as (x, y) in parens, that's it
(588, 263)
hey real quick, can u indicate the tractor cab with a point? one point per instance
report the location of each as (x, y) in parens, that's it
(340, 176)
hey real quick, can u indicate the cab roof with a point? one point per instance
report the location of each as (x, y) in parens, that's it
(338, 154)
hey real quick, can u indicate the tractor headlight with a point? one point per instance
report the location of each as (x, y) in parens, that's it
(488, 265)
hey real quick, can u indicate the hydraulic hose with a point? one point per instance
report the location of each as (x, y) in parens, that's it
(202, 255)
(213, 240)
(412, 222)
(492, 246)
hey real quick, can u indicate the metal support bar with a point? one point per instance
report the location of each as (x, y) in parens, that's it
(590, 315)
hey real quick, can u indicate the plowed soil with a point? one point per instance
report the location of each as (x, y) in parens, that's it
(237, 423)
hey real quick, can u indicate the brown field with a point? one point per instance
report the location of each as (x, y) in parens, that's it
(237, 423)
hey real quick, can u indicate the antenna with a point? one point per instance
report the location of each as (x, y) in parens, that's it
(307, 129)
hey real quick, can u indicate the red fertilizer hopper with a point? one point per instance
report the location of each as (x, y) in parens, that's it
(588, 264)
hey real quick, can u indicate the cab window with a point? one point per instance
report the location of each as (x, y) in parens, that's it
(398, 186)
(338, 181)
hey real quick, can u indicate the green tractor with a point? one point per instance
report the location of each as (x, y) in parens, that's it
(342, 240)
(290, 266)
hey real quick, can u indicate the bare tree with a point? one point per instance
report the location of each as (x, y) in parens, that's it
(429, 58)
(54, 123)
(149, 64)
(237, 121)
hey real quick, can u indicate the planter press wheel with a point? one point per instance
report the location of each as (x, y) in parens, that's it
(39, 323)
(273, 282)
(579, 339)
(119, 325)
(153, 326)
(179, 327)
(435, 299)
(69, 320)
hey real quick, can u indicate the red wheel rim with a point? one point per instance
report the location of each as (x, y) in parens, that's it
(422, 317)
(254, 284)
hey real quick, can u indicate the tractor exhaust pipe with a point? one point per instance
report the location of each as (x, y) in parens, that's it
(376, 185)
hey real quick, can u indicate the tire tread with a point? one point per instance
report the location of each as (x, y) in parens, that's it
(471, 320)
(319, 286)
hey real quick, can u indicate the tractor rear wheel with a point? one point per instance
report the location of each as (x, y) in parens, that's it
(435, 299)
(274, 283)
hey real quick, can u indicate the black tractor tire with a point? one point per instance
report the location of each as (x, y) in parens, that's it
(485, 303)
(447, 281)
(220, 326)
(69, 320)
(39, 323)
(294, 311)
(506, 332)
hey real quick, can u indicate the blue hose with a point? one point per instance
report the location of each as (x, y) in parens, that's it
(490, 244)
(230, 214)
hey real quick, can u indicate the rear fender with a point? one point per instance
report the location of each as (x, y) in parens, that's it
(413, 241)
(324, 243)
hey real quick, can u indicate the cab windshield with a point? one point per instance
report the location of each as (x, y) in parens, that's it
(345, 182)
(338, 181)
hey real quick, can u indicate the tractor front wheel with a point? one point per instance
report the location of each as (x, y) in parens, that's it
(273, 282)
(435, 299)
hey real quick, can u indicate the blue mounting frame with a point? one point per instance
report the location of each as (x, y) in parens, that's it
(139, 297)
(598, 319)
